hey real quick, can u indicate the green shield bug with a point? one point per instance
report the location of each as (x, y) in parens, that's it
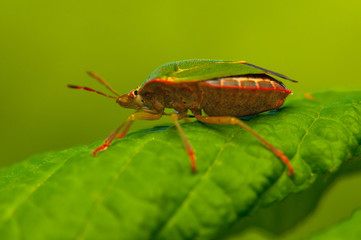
(224, 90)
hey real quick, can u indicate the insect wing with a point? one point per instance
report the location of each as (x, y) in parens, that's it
(166, 70)
(271, 72)
(213, 70)
(198, 70)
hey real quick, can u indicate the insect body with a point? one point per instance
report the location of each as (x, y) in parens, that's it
(224, 90)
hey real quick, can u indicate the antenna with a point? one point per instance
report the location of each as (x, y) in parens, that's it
(90, 90)
(102, 81)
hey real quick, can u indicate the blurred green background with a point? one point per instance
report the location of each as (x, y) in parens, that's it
(45, 45)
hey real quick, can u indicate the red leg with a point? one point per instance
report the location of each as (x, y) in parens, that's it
(187, 146)
(125, 131)
(107, 141)
(236, 121)
(128, 123)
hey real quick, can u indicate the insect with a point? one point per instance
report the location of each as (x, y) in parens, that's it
(224, 90)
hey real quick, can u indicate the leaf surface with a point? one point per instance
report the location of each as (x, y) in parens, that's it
(142, 188)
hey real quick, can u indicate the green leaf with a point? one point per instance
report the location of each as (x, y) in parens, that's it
(142, 187)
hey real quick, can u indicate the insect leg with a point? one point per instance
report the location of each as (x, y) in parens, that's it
(107, 141)
(187, 120)
(128, 123)
(139, 116)
(187, 145)
(236, 121)
(125, 131)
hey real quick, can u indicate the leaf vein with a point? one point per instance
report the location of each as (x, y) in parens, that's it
(99, 200)
(33, 190)
(191, 191)
(279, 177)
(306, 134)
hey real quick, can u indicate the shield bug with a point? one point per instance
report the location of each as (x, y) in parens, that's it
(224, 90)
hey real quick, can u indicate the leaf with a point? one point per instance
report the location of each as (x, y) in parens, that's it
(142, 188)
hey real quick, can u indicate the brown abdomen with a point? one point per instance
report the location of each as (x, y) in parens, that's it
(242, 95)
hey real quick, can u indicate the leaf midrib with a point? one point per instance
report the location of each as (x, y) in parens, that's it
(170, 218)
